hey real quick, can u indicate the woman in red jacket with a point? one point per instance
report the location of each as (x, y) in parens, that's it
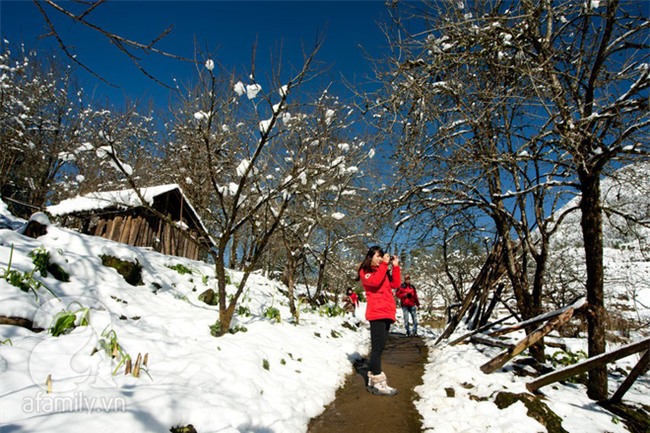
(378, 283)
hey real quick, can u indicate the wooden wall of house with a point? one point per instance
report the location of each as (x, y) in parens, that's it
(146, 231)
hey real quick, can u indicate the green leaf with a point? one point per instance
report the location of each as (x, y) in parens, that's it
(63, 324)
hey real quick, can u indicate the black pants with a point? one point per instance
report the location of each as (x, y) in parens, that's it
(378, 336)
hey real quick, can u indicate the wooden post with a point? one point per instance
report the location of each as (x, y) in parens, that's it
(490, 274)
(588, 364)
(640, 368)
(528, 341)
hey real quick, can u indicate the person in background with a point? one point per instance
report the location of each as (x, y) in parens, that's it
(351, 301)
(408, 297)
(378, 281)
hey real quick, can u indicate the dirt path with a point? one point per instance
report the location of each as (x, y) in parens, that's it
(355, 410)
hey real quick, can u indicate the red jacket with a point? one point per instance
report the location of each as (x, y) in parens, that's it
(379, 293)
(403, 294)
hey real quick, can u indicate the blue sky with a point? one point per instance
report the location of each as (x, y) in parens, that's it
(228, 29)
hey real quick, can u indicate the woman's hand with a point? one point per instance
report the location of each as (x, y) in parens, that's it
(394, 261)
(386, 258)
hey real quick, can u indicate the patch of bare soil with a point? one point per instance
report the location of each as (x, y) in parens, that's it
(355, 410)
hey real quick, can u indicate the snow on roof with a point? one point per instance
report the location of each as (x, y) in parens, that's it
(123, 199)
(101, 200)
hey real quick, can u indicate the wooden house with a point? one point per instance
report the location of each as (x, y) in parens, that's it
(121, 216)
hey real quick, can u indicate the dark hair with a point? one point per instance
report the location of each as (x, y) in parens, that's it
(366, 264)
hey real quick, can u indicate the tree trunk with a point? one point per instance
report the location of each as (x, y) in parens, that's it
(537, 350)
(592, 232)
(527, 304)
(318, 295)
(220, 272)
(289, 278)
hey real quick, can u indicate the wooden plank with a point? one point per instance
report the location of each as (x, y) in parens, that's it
(149, 235)
(555, 344)
(484, 339)
(532, 338)
(100, 229)
(115, 225)
(165, 246)
(134, 233)
(588, 364)
(126, 229)
(640, 368)
(580, 303)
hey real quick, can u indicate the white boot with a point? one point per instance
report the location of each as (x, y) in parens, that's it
(378, 385)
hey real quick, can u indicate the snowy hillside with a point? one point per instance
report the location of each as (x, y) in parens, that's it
(626, 245)
(270, 376)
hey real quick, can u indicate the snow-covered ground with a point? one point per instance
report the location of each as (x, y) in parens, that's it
(270, 377)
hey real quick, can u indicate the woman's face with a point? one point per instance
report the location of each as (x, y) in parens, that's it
(377, 258)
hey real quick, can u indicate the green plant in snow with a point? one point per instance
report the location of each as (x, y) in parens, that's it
(331, 311)
(42, 263)
(112, 347)
(41, 259)
(265, 364)
(25, 281)
(237, 328)
(566, 358)
(7, 341)
(66, 320)
(562, 358)
(180, 268)
(273, 314)
(244, 311)
(215, 330)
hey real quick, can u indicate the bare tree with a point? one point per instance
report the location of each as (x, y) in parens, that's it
(515, 102)
(81, 13)
(55, 139)
(593, 61)
(318, 219)
(41, 126)
(464, 135)
(258, 175)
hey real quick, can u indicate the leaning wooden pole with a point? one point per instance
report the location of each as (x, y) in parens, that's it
(490, 274)
(588, 364)
(525, 343)
(640, 368)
